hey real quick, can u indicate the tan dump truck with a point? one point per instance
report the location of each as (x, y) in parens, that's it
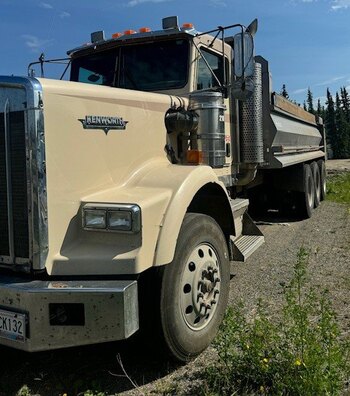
(133, 180)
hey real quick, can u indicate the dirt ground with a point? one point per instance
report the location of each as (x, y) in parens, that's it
(342, 165)
(71, 371)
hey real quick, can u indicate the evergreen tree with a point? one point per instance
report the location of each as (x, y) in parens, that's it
(320, 109)
(284, 91)
(345, 101)
(310, 102)
(304, 106)
(330, 120)
(342, 142)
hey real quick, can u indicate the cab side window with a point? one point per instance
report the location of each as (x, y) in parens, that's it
(205, 78)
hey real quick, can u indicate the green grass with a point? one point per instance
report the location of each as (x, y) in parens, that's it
(299, 353)
(338, 188)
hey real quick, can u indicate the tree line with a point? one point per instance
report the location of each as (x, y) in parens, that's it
(336, 118)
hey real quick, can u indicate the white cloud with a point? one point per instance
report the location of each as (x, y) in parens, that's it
(331, 81)
(340, 4)
(334, 4)
(300, 91)
(65, 14)
(35, 44)
(218, 3)
(133, 3)
(46, 5)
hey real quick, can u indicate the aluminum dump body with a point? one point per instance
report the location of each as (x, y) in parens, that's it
(291, 134)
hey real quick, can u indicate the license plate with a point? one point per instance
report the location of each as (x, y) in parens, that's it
(12, 325)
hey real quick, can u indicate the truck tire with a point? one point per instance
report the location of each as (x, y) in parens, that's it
(317, 183)
(195, 287)
(307, 197)
(323, 176)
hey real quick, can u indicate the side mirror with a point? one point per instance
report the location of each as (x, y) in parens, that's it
(243, 46)
(243, 52)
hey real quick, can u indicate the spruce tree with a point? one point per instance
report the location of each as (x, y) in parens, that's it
(320, 109)
(310, 101)
(330, 121)
(284, 91)
(342, 142)
(345, 101)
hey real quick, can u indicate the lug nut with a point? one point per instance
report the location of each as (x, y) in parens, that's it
(216, 291)
(213, 302)
(217, 280)
(199, 295)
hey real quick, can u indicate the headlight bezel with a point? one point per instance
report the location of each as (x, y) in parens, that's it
(109, 210)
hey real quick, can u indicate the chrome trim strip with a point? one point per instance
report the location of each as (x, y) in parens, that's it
(36, 169)
(36, 136)
(9, 180)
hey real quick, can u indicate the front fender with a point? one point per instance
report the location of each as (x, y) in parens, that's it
(163, 191)
(187, 182)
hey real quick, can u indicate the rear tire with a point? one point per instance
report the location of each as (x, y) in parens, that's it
(195, 287)
(323, 176)
(307, 197)
(317, 183)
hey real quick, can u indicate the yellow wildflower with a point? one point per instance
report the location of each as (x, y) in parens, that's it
(265, 360)
(297, 362)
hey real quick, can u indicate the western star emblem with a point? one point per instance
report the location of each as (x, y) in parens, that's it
(103, 122)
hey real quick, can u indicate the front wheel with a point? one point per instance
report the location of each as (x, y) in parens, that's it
(195, 287)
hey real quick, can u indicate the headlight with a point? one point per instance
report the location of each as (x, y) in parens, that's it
(119, 220)
(95, 218)
(114, 217)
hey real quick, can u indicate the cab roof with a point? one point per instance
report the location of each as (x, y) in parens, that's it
(131, 36)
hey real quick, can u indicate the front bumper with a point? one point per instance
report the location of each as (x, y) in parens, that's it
(61, 314)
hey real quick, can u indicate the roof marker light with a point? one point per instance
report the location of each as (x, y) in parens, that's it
(144, 30)
(187, 25)
(117, 35)
(127, 32)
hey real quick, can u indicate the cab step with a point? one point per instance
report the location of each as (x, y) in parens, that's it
(248, 240)
(245, 245)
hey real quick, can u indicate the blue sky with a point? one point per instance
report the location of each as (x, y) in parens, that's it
(307, 42)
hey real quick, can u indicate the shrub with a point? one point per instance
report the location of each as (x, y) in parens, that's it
(338, 188)
(300, 353)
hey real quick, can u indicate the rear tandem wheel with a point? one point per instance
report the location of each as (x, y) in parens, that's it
(317, 183)
(307, 196)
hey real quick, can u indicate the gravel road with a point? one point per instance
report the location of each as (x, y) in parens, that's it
(326, 235)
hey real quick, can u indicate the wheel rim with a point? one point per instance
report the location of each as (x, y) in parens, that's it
(200, 286)
(324, 182)
(318, 186)
(310, 193)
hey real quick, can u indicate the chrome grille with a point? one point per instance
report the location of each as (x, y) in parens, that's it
(14, 232)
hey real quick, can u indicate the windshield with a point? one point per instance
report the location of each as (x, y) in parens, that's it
(152, 66)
